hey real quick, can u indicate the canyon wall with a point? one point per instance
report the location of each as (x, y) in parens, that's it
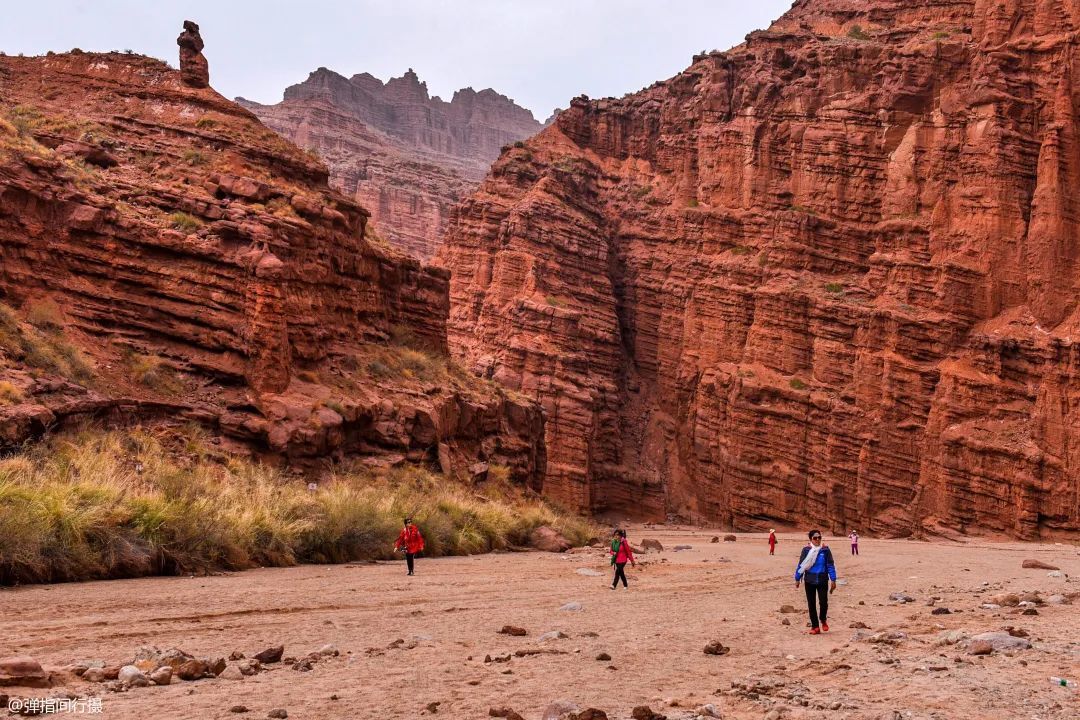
(407, 156)
(825, 278)
(163, 255)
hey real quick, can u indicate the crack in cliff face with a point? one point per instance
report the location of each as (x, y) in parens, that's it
(832, 280)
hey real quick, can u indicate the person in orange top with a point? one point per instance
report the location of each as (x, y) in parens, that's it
(411, 541)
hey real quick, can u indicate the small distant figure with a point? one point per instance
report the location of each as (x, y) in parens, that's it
(411, 541)
(772, 542)
(817, 569)
(620, 555)
(854, 542)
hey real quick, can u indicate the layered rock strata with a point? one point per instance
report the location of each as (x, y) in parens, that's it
(165, 256)
(827, 277)
(396, 150)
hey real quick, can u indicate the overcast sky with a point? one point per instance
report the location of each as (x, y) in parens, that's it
(539, 52)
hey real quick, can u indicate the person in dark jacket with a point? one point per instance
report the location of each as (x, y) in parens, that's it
(817, 571)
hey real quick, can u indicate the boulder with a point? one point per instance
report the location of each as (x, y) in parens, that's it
(560, 710)
(651, 544)
(270, 655)
(716, 648)
(162, 676)
(1038, 565)
(23, 671)
(547, 539)
(1000, 640)
(644, 712)
(730, 538)
(513, 630)
(132, 676)
(504, 712)
(1005, 599)
(193, 670)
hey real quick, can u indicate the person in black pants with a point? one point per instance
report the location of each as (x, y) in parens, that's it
(621, 554)
(817, 569)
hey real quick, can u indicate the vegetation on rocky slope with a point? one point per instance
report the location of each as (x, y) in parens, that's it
(99, 504)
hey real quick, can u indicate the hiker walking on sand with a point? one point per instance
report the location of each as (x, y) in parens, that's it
(411, 541)
(854, 542)
(620, 555)
(817, 569)
(772, 542)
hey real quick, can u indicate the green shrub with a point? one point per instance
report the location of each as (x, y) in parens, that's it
(834, 288)
(797, 384)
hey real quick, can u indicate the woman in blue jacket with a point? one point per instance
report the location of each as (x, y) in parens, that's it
(818, 571)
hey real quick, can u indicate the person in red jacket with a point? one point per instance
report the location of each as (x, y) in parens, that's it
(772, 542)
(622, 555)
(411, 541)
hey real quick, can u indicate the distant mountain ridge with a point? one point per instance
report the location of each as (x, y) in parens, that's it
(396, 149)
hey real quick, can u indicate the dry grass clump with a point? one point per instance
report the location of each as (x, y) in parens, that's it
(39, 342)
(119, 504)
(152, 372)
(9, 394)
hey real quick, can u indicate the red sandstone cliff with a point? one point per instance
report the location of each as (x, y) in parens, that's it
(828, 276)
(165, 255)
(407, 156)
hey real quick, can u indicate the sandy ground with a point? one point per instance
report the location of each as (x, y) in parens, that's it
(448, 616)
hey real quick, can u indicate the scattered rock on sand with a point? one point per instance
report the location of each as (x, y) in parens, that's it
(730, 538)
(650, 544)
(951, 637)
(553, 635)
(1055, 574)
(94, 674)
(328, 650)
(788, 609)
(504, 712)
(1005, 599)
(1039, 565)
(590, 714)
(270, 655)
(238, 709)
(133, 676)
(941, 611)
(588, 572)
(1001, 641)
(231, 672)
(715, 539)
(560, 710)
(278, 713)
(572, 607)
(603, 657)
(162, 676)
(1057, 599)
(901, 598)
(709, 711)
(716, 648)
(680, 548)
(548, 539)
(22, 670)
(644, 712)
(980, 647)
(513, 630)
(859, 625)
(192, 670)
(785, 621)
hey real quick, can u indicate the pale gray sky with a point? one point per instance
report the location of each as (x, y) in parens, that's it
(539, 52)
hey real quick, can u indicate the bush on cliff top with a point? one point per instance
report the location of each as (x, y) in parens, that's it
(99, 505)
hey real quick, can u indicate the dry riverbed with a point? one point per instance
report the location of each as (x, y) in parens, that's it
(430, 645)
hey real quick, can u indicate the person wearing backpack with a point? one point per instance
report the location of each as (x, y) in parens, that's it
(411, 541)
(620, 555)
(817, 569)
